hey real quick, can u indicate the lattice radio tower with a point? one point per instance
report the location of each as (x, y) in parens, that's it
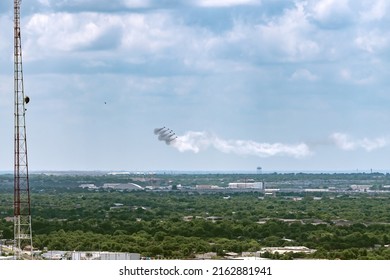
(22, 206)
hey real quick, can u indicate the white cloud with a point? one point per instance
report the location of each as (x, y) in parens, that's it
(133, 35)
(359, 76)
(6, 35)
(285, 37)
(226, 3)
(373, 144)
(290, 35)
(372, 41)
(375, 11)
(66, 32)
(332, 13)
(344, 142)
(44, 2)
(197, 141)
(136, 3)
(303, 74)
(345, 74)
(131, 38)
(151, 33)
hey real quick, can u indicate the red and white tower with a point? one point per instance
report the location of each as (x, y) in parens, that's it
(22, 206)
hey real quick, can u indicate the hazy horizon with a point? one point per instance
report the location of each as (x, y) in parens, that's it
(162, 171)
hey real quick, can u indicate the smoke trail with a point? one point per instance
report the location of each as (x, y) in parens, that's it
(158, 130)
(197, 141)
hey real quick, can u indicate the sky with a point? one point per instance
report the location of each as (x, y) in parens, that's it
(278, 84)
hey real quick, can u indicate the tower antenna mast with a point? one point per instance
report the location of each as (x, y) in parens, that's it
(22, 206)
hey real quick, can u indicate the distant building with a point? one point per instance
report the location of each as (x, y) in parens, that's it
(214, 218)
(64, 255)
(287, 249)
(206, 256)
(207, 187)
(342, 223)
(128, 186)
(297, 198)
(119, 173)
(231, 255)
(106, 256)
(117, 206)
(54, 255)
(360, 188)
(190, 218)
(271, 192)
(88, 186)
(246, 185)
(316, 190)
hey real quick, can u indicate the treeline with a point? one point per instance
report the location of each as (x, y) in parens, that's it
(181, 224)
(179, 239)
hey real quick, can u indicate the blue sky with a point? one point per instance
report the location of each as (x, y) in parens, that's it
(285, 85)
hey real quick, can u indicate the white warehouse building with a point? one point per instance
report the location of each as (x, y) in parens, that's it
(251, 185)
